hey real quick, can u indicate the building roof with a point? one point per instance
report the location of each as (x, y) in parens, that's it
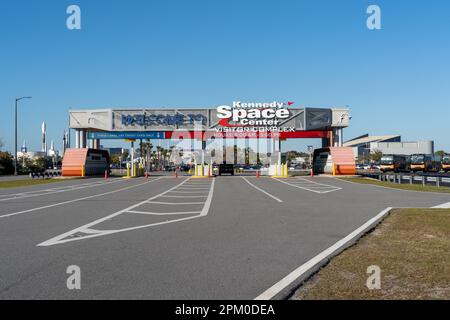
(369, 139)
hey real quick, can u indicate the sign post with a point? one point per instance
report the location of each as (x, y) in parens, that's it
(132, 165)
(310, 151)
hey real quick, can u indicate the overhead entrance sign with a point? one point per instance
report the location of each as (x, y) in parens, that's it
(237, 120)
(236, 117)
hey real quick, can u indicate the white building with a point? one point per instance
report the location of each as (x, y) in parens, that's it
(389, 144)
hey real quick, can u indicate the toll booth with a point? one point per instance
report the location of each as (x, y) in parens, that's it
(335, 161)
(85, 162)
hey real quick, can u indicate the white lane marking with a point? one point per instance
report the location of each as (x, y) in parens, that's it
(197, 184)
(184, 197)
(163, 213)
(443, 206)
(76, 200)
(186, 187)
(326, 254)
(304, 180)
(173, 203)
(328, 191)
(90, 231)
(323, 187)
(44, 192)
(308, 184)
(203, 186)
(62, 238)
(311, 186)
(187, 192)
(263, 191)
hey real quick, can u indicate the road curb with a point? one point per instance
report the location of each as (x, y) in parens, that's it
(286, 287)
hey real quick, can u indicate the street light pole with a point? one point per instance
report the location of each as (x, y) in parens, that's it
(15, 134)
(15, 141)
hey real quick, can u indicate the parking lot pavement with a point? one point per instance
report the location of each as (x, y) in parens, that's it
(38, 201)
(344, 194)
(187, 200)
(168, 238)
(309, 185)
(60, 184)
(52, 189)
(12, 178)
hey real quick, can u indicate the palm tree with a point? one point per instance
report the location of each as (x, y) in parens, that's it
(166, 156)
(146, 148)
(171, 148)
(158, 153)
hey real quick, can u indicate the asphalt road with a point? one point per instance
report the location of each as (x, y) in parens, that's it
(184, 238)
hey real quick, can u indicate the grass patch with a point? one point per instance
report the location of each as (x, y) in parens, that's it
(411, 247)
(405, 186)
(27, 182)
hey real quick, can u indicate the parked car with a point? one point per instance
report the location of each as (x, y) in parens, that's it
(226, 169)
(363, 166)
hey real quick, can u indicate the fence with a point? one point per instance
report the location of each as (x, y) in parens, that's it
(405, 178)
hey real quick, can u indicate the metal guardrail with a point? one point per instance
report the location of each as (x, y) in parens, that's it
(438, 180)
(45, 175)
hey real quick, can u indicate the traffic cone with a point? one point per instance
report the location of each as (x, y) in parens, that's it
(257, 174)
(312, 172)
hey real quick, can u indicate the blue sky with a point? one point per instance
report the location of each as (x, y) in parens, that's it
(204, 53)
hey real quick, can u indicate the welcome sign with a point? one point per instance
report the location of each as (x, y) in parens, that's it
(238, 116)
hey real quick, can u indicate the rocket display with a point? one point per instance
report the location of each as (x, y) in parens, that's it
(44, 137)
(24, 147)
(65, 141)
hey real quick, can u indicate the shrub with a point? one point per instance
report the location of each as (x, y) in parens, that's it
(6, 163)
